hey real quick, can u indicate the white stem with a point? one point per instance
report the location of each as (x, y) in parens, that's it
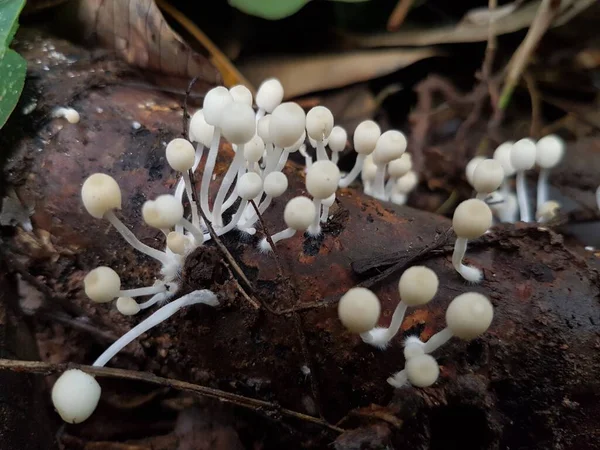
(282, 160)
(272, 160)
(399, 379)
(159, 298)
(226, 183)
(307, 158)
(335, 157)
(397, 319)
(598, 197)
(249, 221)
(149, 290)
(315, 228)
(379, 183)
(325, 214)
(542, 187)
(524, 209)
(260, 114)
(202, 296)
(193, 229)
(133, 241)
(284, 234)
(481, 196)
(188, 189)
(345, 182)
(469, 273)
(321, 153)
(389, 186)
(437, 340)
(209, 167)
(234, 220)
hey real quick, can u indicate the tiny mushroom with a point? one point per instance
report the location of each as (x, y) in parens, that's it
(522, 158)
(365, 138)
(390, 146)
(299, 214)
(268, 96)
(337, 142)
(549, 152)
(487, 177)
(319, 124)
(75, 395)
(322, 180)
(359, 310)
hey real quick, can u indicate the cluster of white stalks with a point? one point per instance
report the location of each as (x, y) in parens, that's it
(491, 178)
(468, 316)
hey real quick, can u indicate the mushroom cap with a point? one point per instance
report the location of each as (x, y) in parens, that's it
(164, 212)
(549, 151)
(469, 315)
(418, 285)
(275, 184)
(102, 284)
(472, 218)
(322, 179)
(471, 166)
(337, 139)
(390, 145)
(254, 149)
(406, 183)
(249, 185)
(238, 123)
(297, 144)
(99, 194)
(180, 154)
(128, 306)
(199, 130)
(262, 128)
(319, 123)
(75, 395)
(214, 104)
(365, 137)
(488, 176)
(286, 124)
(269, 95)
(359, 310)
(329, 201)
(400, 166)
(502, 155)
(523, 154)
(313, 142)
(241, 94)
(369, 169)
(422, 370)
(299, 213)
(177, 242)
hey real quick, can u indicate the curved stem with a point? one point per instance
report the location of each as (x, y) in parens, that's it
(209, 167)
(335, 157)
(188, 188)
(437, 340)
(284, 234)
(358, 164)
(524, 209)
(194, 230)
(315, 228)
(397, 319)
(138, 292)
(226, 183)
(234, 220)
(321, 153)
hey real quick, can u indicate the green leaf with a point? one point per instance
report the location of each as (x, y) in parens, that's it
(12, 78)
(9, 15)
(274, 9)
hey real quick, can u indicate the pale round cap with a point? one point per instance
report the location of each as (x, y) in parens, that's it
(406, 183)
(269, 95)
(400, 166)
(322, 179)
(502, 155)
(214, 104)
(100, 193)
(472, 218)
(488, 176)
(75, 395)
(299, 213)
(177, 242)
(369, 169)
(469, 315)
(418, 285)
(241, 94)
(313, 142)
(329, 201)
(550, 151)
(254, 149)
(286, 124)
(319, 123)
(338, 139)
(390, 145)
(422, 370)
(262, 128)
(127, 306)
(471, 166)
(180, 154)
(249, 185)
(102, 284)
(238, 123)
(523, 154)
(164, 212)
(199, 130)
(297, 144)
(275, 184)
(365, 137)
(359, 310)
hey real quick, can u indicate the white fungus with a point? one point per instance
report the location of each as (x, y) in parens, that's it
(177, 242)
(365, 138)
(319, 123)
(422, 370)
(337, 142)
(163, 213)
(359, 310)
(549, 152)
(299, 214)
(215, 102)
(75, 395)
(127, 306)
(322, 180)
(390, 145)
(286, 124)
(70, 114)
(404, 186)
(470, 169)
(487, 177)
(180, 154)
(269, 96)
(522, 158)
(100, 193)
(102, 284)
(241, 94)
(200, 131)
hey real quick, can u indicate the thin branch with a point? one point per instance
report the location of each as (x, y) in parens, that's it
(269, 409)
(186, 116)
(255, 304)
(75, 323)
(399, 14)
(536, 105)
(268, 237)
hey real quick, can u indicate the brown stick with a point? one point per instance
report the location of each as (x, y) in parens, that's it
(536, 105)
(399, 14)
(186, 116)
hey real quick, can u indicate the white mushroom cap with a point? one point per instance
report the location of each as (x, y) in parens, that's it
(164, 212)
(488, 176)
(287, 124)
(249, 185)
(502, 155)
(369, 169)
(238, 123)
(359, 310)
(522, 154)
(127, 306)
(472, 218)
(365, 137)
(322, 179)
(470, 169)
(275, 184)
(337, 139)
(319, 123)
(422, 370)
(241, 94)
(200, 131)
(75, 395)
(400, 166)
(100, 193)
(102, 284)
(177, 242)
(550, 151)
(214, 104)
(298, 144)
(269, 95)
(469, 315)
(299, 213)
(262, 128)
(390, 145)
(254, 149)
(418, 285)
(180, 154)
(329, 201)
(313, 142)
(406, 183)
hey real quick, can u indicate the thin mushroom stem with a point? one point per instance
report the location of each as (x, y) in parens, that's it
(226, 183)
(335, 157)
(324, 214)
(437, 340)
(315, 228)
(148, 290)
(524, 209)
(469, 273)
(321, 153)
(209, 167)
(399, 379)
(379, 183)
(284, 234)
(542, 187)
(234, 220)
(193, 229)
(380, 337)
(358, 165)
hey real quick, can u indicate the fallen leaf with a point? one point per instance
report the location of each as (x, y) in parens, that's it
(139, 34)
(304, 74)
